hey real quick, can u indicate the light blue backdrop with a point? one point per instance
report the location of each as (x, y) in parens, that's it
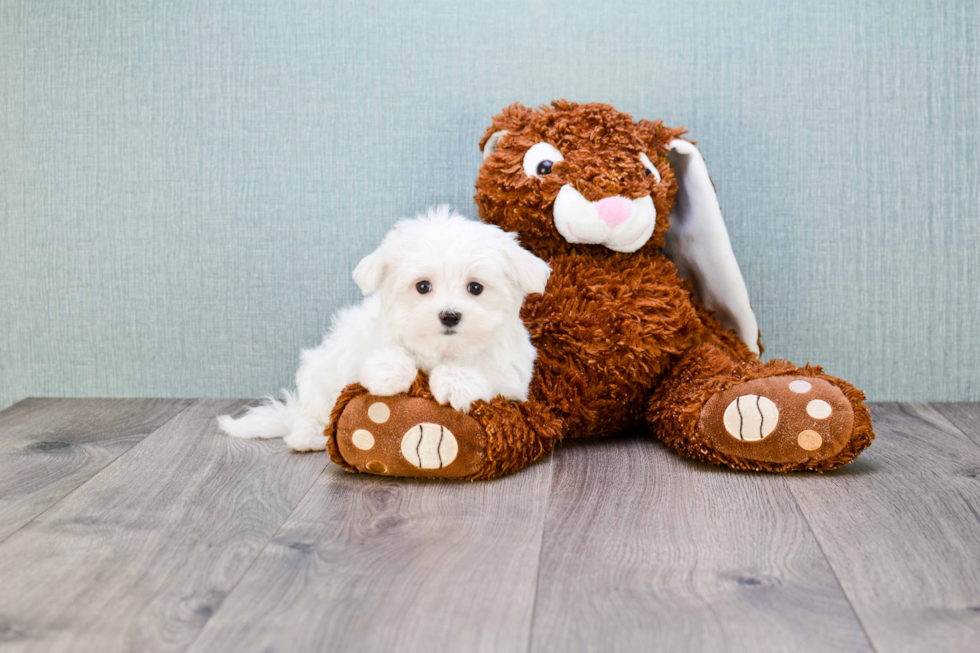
(185, 186)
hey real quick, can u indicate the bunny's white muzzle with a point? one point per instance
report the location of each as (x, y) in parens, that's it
(621, 224)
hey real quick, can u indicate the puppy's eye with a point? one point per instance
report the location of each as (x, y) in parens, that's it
(650, 168)
(540, 158)
(474, 288)
(423, 287)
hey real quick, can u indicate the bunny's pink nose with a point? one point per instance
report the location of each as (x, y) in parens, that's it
(614, 210)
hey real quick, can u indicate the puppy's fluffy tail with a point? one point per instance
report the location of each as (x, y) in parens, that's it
(271, 419)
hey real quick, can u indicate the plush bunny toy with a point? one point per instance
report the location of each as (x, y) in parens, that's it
(645, 323)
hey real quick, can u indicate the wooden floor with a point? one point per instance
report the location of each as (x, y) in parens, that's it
(130, 524)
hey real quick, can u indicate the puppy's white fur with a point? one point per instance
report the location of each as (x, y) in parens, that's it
(397, 330)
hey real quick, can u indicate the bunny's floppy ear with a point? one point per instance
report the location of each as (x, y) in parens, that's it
(697, 242)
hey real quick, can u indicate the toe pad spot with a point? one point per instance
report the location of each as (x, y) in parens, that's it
(809, 440)
(818, 409)
(800, 387)
(362, 439)
(379, 412)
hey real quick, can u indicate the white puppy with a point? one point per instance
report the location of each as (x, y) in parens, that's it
(444, 296)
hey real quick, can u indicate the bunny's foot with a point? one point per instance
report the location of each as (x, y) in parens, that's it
(766, 417)
(409, 436)
(413, 435)
(779, 419)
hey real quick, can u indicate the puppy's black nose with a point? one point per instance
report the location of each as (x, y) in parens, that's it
(450, 318)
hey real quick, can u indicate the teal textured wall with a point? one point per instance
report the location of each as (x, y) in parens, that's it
(184, 187)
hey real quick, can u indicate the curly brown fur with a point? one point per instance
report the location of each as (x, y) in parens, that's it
(518, 433)
(606, 330)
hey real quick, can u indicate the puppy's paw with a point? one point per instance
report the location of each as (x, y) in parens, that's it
(306, 435)
(388, 371)
(459, 386)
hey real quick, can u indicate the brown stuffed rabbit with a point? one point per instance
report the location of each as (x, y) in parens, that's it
(645, 322)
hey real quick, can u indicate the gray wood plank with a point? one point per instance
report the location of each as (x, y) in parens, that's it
(965, 417)
(139, 557)
(49, 447)
(901, 528)
(375, 564)
(644, 551)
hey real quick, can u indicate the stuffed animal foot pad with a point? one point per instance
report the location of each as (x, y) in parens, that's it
(409, 436)
(779, 419)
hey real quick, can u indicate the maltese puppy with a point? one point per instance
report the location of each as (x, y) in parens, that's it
(444, 296)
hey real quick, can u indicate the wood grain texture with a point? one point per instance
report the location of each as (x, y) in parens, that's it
(49, 447)
(190, 541)
(965, 417)
(644, 551)
(139, 557)
(377, 564)
(901, 529)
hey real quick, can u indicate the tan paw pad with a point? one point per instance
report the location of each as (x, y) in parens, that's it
(377, 467)
(809, 440)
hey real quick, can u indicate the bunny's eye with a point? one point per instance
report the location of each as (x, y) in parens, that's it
(540, 158)
(650, 168)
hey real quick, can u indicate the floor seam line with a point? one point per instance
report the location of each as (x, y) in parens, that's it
(830, 565)
(959, 429)
(537, 575)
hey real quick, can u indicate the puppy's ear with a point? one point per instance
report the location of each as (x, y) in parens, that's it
(530, 272)
(371, 271)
